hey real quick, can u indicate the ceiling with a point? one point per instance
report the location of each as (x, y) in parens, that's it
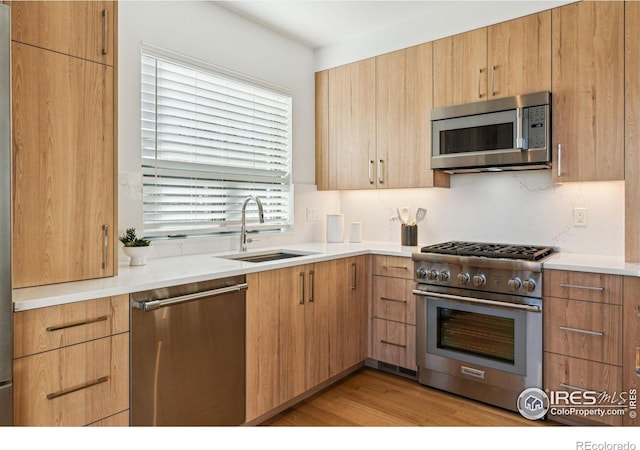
(318, 24)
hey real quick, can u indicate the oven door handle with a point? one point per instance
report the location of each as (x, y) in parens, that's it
(530, 308)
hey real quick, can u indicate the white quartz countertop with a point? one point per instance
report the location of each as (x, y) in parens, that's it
(175, 270)
(577, 262)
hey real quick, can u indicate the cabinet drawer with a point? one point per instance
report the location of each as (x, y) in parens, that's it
(583, 329)
(393, 266)
(39, 330)
(73, 386)
(591, 287)
(563, 373)
(394, 343)
(393, 299)
(117, 420)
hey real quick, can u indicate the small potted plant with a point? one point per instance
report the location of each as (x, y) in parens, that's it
(137, 249)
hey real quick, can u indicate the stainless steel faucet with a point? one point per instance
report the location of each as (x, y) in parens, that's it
(243, 230)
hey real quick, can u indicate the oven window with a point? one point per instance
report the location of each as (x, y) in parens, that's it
(480, 138)
(477, 334)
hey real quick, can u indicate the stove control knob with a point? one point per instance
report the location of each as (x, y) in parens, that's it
(479, 280)
(432, 275)
(444, 276)
(529, 285)
(421, 273)
(514, 283)
(463, 278)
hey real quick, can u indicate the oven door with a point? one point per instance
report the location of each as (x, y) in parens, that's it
(495, 340)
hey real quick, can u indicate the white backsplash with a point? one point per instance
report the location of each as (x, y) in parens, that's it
(508, 207)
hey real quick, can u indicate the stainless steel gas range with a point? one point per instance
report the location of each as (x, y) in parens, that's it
(479, 319)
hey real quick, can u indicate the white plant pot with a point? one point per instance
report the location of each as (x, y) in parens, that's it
(137, 255)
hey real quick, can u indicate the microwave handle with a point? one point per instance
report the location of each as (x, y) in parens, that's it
(521, 142)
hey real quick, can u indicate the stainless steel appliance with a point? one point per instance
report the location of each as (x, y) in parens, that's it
(503, 134)
(188, 354)
(6, 306)
(479, 319)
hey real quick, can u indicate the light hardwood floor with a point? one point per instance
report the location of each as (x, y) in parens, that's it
(373, 398)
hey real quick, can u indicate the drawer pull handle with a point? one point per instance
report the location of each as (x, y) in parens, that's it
(382, 341)
(105, 31)
(77, 388)
(576, 388)
(392, 300)
(395, 267)
(577, 286)
(578, 330)
(77, 324)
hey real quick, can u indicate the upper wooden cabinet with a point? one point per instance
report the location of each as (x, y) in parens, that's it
(64, 150)
(507, 59)
(78, 28)
(632, 131)
(588, 91)
(372, 127)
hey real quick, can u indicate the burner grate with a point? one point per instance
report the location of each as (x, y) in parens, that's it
(489, 250)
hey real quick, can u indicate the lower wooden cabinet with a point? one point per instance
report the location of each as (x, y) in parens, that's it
(117, 420)
(73, 386)
(394, 343)
(631, 343)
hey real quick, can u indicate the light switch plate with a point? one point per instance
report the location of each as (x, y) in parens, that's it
(312, 214)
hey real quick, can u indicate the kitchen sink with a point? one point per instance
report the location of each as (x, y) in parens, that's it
(265, 257)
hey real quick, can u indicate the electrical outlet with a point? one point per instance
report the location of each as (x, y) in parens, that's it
(579, 217)
(312, 214)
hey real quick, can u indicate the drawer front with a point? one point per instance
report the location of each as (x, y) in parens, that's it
(394, 343)
(73, 386)
(39, 330)
(393, 299)
(583, 329)
(591, 287)
(563, 373)
(393, 266)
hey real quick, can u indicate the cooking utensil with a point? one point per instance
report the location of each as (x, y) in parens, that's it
(420, 214)
(405, 213)
(399, 215)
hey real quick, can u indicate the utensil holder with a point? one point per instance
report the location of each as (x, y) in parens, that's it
(409, 235)
(335, 227)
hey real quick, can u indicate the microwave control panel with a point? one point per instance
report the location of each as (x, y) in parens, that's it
(537, 126)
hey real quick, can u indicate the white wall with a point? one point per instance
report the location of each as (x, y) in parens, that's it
(205, 31)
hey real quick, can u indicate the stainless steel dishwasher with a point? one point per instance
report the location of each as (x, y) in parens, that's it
(188, 354)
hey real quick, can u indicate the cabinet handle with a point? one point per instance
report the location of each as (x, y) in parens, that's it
(559, 160)
(312, 285)
(354, 284)
(578, 330)
(392, 300)
(371, 171)
(77, 324)
(105, 31)
(380, 178)
(395, 267)
(479, 78)
(576, 388)
(382, 341)
(77, 388)
(493, 81)
(302, 288)
(577, 286)
(105, 249)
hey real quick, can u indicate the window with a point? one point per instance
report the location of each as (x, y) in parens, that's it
(209, 141)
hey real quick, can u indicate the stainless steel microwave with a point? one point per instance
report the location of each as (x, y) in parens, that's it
(511, 133)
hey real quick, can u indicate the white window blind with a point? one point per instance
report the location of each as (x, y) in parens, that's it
(209, 142)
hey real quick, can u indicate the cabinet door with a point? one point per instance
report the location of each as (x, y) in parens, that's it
(404, 100)
(632, 132)
(460, 68)
(322, 130)
(358, 310)
(318, 292)
(588, 91)
(78, 28)
(519, 56)
(352, 134)
(631, 341)
(63, 154)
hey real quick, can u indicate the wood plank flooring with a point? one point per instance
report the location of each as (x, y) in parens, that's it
(373, 398)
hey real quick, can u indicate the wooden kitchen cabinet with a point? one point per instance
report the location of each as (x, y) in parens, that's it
(588, 91)
(631, 342)
(84, 29)
(393, 327)
(64, 141)
(71, 365)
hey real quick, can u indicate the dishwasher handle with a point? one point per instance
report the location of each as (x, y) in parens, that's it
(155, 304)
